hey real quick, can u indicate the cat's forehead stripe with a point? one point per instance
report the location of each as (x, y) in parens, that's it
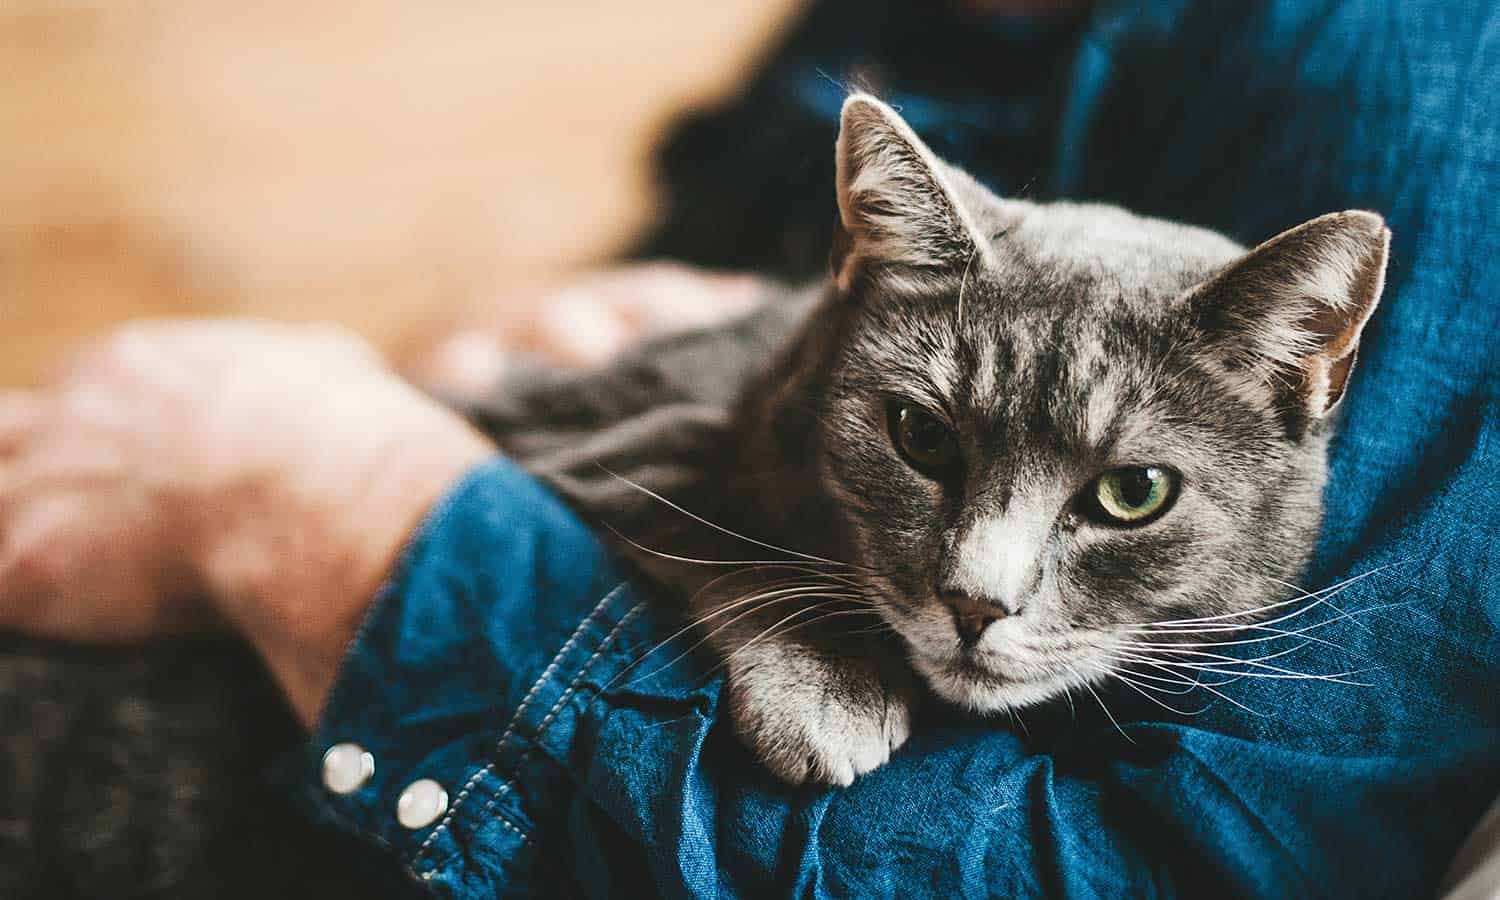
(1100, 410)
(1018, 364)
(986, 376)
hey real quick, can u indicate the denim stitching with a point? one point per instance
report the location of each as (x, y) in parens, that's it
(510, 783)
(510, 727)
(429, 874)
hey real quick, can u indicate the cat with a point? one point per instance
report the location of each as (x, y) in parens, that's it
(1004, 439)
(998, 438)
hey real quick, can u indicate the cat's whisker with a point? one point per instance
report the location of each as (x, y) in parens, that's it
(1100, 700)
(1274, 672)
(1222, 622)
(878, 626)
(769, 585)
(802, 570)
(820, 580)
(746, 614)
(1171, 652)
(1268, 625)
(1172, 655)
(762, 590)
(699, 622)
(1312, 639)
(963, 283)
(1326, 602)
(744, 567)
(1142, 690)
(1316, 596)
(1276, 635)
(1334, 677)
(721, 529)
(1313, 602)
(769, 590)
(1183, 686)
(755, 601)
(773, 630)
(778, 592)
(834, 614)
(691, 560)
(1175, 657)
(1188, 683)
(1220, 657)
(1214, 690)
(1223, 696)
(1015, 717)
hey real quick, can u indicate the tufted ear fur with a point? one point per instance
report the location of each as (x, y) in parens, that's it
(897, 205)
(1287, 316)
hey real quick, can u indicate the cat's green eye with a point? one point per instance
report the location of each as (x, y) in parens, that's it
(925, 442)
(1133, 495)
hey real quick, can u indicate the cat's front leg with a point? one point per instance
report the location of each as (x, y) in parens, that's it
(814, 717)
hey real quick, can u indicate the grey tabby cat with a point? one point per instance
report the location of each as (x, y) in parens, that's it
(1001, 436)
(1005, 435)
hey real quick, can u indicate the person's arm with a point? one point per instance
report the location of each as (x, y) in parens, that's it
(519, 740)
(450, 735)
(215, 474)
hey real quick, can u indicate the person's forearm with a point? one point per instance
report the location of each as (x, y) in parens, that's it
(502, 618)
(188, 475)
(297, 579)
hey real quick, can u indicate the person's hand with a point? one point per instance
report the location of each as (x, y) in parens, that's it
(582, 323)
(190, 475)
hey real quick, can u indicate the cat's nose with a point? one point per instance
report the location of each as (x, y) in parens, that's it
(971, 615)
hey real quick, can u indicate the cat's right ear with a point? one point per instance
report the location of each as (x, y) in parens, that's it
(1289, 314)
(897, 207)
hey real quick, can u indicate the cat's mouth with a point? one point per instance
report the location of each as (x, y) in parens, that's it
(1012, 665)
(969, 666)
(972, 682)
(981, 669)
(983, 680)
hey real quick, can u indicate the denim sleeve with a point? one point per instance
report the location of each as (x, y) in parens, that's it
(453, 719)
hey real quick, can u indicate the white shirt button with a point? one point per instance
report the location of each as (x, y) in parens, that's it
(423, 801)
(346, 768)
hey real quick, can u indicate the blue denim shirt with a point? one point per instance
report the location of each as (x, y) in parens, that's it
(492, 663)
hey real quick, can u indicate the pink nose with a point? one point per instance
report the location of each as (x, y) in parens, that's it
(971, 615)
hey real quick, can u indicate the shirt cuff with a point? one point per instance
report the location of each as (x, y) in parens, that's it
(494, 622)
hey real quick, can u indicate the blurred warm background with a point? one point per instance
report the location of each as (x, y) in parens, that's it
(389, 165)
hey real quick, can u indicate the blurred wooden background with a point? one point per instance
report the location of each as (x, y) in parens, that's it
(381, 163)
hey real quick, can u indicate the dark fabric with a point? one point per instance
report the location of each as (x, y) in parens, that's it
(750, 185)
(494, 662)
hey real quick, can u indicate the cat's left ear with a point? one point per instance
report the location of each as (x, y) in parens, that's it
(897, 204)
(1290, 312)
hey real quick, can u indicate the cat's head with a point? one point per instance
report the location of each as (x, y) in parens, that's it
(1046, 426)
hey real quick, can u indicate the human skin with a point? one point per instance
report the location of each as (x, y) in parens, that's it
(580, 323)
(251, 476)
(186, 476)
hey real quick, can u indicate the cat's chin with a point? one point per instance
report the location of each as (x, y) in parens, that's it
(965, 683)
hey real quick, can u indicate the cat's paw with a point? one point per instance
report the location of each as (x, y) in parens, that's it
(810, 723)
